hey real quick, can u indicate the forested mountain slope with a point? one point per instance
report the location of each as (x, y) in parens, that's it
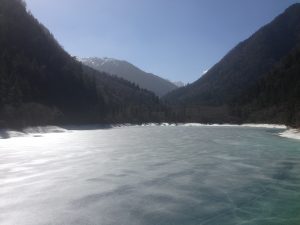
(276, 97)
(40, 83)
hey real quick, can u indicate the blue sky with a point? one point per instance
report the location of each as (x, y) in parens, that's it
(175, 39)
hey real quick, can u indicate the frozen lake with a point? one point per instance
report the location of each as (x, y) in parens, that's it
(151, 176)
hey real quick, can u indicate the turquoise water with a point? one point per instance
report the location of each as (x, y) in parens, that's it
(151, 176)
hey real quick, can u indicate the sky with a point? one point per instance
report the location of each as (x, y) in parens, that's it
(175, 39)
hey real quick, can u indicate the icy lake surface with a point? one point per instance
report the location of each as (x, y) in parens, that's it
(151, 176)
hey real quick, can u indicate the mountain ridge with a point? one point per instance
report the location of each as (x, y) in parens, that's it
(130, 72)
(245, 64)
(40, 83)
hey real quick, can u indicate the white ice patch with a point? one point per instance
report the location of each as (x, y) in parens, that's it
(31, 131)
(207, 125)
(291, 133)
(12, 133)
(46, 129)
(272, 126)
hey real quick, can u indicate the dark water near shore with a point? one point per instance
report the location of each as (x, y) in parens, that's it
(151, 176)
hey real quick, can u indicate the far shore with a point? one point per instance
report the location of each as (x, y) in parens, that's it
(36, 131)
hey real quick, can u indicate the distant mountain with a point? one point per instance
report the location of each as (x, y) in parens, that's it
(244, 65)
(179, 83)
(131, 73)
(40, 83)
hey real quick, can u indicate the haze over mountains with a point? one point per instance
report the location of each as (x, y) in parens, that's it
(40, 83)
(131, 73)
(179, 83)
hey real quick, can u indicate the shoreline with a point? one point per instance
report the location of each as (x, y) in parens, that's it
(39, 130)
(250, 125)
